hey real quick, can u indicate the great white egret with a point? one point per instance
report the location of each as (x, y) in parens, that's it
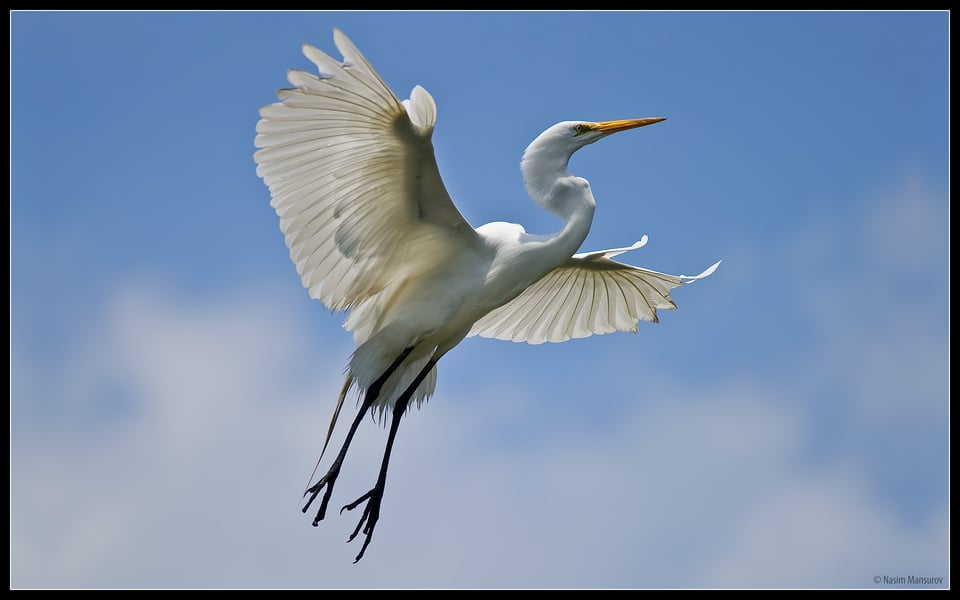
(372, 230)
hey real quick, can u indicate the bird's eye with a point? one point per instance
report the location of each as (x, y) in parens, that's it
(578, 128)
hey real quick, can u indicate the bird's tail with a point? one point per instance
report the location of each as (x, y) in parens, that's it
(333, 422)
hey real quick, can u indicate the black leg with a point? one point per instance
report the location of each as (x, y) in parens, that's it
(371, 512)
(331, 477)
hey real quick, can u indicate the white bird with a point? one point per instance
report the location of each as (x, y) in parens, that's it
(372, 230)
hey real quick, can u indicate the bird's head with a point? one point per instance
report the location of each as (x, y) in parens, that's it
(554, 147)
(546, 157)
(573, 135)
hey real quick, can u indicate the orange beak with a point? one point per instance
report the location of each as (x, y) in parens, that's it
(624, 124)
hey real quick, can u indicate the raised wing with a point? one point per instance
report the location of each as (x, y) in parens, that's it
(589, 294)
(353, 177)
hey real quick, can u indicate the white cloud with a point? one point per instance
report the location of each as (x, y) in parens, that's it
(906, 228)
(873, 291)
(195, 483)
(822, 531)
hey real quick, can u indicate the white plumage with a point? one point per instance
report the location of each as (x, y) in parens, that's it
(589, 294)
(371, 229)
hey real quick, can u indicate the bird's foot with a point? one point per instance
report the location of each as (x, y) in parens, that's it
(371, 514)
(326, 481)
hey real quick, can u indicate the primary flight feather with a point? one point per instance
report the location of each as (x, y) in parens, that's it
(372, 231)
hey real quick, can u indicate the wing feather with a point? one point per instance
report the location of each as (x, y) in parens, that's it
(353, 176)
(589, 294)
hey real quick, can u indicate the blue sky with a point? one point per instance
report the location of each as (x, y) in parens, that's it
(171, 380)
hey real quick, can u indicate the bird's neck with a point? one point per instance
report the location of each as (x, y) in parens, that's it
(576, 226)
(554, 188)
(542, 166)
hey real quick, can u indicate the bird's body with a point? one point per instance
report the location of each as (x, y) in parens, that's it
(372, 230)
